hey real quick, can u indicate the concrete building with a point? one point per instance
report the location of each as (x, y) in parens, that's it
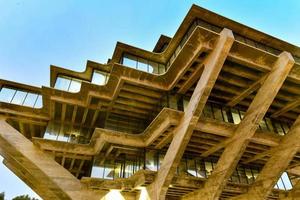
(211, 113)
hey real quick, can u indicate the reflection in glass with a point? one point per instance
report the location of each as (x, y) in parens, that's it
(130, 61)
(6, 94)
(75, 86)
(19, 97)
(142, 64)
(39, 102)
(62, 83)
(99, 78)
(30, 99)
(68, 84)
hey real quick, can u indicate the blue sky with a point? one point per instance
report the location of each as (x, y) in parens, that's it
(35, 34)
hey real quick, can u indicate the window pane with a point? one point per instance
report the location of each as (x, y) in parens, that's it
(97, 172)
(185, 104)
(263, 125)
(162, 69)
(153, 67)
(286, 180)
(62, 83)
(142, 65)
(208, 111)
(208, 168)
(19, 97)
(75, 85)
(249, 175)
(217, 112)
(30, 99)
(235, 116)
(130, 61)
(191, 164)
(280, 184)
(270, 125)
(99, 78)
(279, 129)
(39, 102)
(6, 94)
(108, 170)
(151, 160)
(285, 127)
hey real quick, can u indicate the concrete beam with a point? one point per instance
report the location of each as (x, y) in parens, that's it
(245, 130)
(42, 168)
(253, 87)
(182, 133)
(276, 165)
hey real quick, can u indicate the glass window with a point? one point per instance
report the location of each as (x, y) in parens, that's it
(50, 136)
(185, 104)
(153, 67)
(269, 124)
(249, 176)
(130, 61)
(255, 173)
(6, 94)
(97, 172)
(217, 112)
(242, 175)
(263, 125)
(201, 172)
(285, 127)
(39, 102)
(279, 129)
(208, 168)
(99, 78)
(108, 170)
(142, 65)
(62, 83)
(280, 184)
(75, 85)
(151, 160)
(208, 111)
(235, 116)
(162, 68)
(235, 177)
(225, 115)
(286, 181)
(30, 99)
(19, 97)
(191, 167)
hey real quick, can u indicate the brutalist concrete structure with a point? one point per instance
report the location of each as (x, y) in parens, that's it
(211, 113)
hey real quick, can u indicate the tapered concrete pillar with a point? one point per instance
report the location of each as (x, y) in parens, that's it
(40, 170)
(236, 146)
(182, 134)
(276, 165)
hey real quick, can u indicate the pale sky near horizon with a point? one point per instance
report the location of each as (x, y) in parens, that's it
(67, 33)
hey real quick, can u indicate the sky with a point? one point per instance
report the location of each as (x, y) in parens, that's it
(36, 33)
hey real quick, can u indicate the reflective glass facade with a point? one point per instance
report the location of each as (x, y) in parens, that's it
(189, 166)
(142, 64)
(235, 115)
(21, 97)
(99, 77)
(66, 133)
(68, 84)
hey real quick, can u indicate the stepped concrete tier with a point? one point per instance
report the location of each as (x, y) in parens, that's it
(211, 113)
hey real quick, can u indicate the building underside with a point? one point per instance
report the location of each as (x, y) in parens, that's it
(211, 113)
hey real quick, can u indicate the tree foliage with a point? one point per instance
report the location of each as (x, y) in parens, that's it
(2, 196)
(23, 197)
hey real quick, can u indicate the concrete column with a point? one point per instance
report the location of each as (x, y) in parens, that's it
(237, 144)
(182, 133)
(41, 171)
(276, 165)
